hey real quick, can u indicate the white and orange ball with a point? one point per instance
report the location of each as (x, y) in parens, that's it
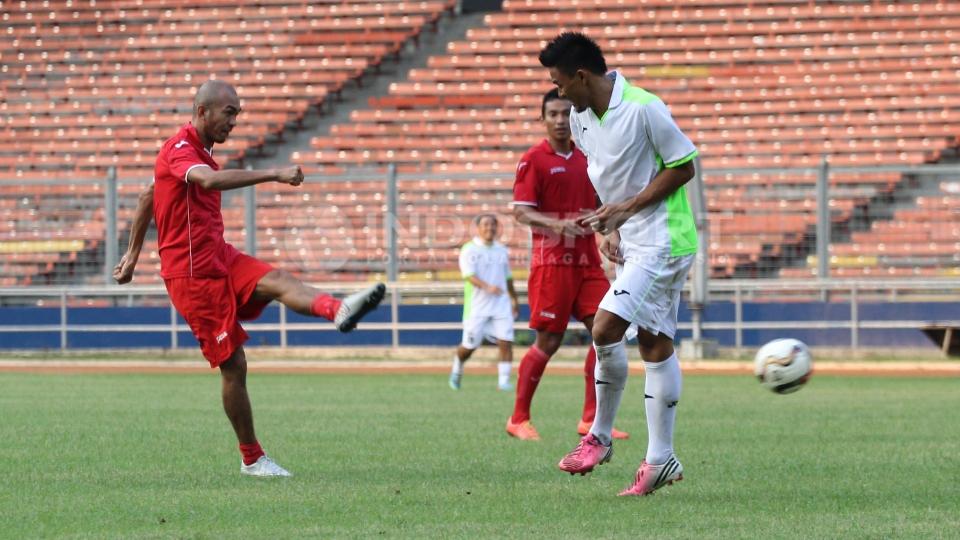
(783, 365)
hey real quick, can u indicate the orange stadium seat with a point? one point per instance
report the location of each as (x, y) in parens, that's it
(767, 83)
(89, 86)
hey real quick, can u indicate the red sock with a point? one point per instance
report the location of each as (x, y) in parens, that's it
(251, 452)
(528, 377)
(325, 306)
(590, 388)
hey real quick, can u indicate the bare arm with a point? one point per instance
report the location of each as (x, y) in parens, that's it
(610, 247)
(609, 217)
(514, 301)
(484, 286)
(227, 179)
(529, 215)
(662, 186)
(123, 272)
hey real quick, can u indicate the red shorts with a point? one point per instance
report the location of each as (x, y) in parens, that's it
(557, 292)
(213, 307)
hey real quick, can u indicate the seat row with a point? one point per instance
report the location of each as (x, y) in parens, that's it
(90, 85)
(769, 84)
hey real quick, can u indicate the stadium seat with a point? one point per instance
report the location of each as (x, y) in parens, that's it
(90, 86)
(768, 83)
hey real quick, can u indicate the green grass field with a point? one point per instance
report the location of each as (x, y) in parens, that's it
(134, 456)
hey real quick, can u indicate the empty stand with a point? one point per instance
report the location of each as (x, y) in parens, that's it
(47, 230)
(920, 239)
(775, 84)
(91, 85)
(760, 84)
(126, 72)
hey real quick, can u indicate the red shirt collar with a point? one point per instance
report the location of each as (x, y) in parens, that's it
(190, 133)
(545, 146)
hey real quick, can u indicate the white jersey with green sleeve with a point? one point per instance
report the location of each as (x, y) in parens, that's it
(490, 264)
(626, 148)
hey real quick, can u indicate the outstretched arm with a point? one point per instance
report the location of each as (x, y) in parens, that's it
(123, 272)
(224, 180)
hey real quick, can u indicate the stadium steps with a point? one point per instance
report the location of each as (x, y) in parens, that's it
(910, 230)
(764, 84)
(850, 232)
(56, 140)
(395, 69)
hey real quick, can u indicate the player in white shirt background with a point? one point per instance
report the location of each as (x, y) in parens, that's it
(490, 303)
(638, 161)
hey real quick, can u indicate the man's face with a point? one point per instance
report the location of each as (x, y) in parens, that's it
(556, 117)
(572, 87)
(221, 117)
(487, 229)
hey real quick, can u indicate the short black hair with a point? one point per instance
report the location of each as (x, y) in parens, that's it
(571, 51)
(547, 98)
(478, 219)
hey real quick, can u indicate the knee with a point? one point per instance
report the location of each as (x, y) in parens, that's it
(549, 342)
(656, 349)
(234, 370)
(605, 334)
(608, 328)
(612, 367)
(276, 283)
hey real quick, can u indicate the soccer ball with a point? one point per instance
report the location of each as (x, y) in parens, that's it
(783, 365)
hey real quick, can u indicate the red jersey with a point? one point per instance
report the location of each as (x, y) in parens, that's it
(189, 222)
(559, 187)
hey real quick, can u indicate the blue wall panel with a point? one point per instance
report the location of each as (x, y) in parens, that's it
(358, 337)
(108, 340)
(29, 315)
(715, 312)
(117, 315)
(30, 340)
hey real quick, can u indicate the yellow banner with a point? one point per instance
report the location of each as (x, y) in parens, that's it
(677, 71)
(40, 246)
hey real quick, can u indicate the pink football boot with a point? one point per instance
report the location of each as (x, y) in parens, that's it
(653, 477)
(589, 453)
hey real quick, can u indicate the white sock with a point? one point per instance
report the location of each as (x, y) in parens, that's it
(662, 392)
(503, 370)
(457, 366)
(611, 375)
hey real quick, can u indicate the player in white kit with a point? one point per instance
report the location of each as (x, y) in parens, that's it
(638, 162)
(489, 301)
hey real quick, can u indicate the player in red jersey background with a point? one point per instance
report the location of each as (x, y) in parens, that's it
(552, 190)
(211, 283)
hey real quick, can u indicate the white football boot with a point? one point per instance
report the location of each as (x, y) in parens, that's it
(358, 304)
(263, 467)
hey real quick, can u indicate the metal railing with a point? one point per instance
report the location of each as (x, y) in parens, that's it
(404, 219)
(739, 292)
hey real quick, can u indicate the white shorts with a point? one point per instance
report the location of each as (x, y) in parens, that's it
(647, 291)
(475, 329)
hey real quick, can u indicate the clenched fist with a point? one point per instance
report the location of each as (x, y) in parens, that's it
(123, 271)
(292, 175)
